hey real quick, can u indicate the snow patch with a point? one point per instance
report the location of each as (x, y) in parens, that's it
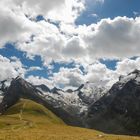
(128, 78)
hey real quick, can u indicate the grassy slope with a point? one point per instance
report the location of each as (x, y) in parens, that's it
(28, 120)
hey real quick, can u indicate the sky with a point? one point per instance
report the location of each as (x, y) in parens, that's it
(66, 43)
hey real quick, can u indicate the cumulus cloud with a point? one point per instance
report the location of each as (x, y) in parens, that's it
(36, 80)
(16, 17)
(127, 65)
(69, 12)
(10, 68)
(117, 38)
(62, 41)
(114, 38)
(45, 44)
(109, 38)
(12, 27)
(34, 68)
(96, 73)
(68, 77)
(56, 10)
(37, 7)
(74, 48)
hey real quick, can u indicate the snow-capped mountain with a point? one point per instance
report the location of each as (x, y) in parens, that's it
(65, 99)
(19, 88)
(114, 110)
(90, 92)
(71, 102)
(118, 111)
(135, 75)
(80, 98)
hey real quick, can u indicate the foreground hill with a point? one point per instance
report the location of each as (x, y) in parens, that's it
(27, 120)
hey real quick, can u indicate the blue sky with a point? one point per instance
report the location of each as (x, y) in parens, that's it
(110, 9)
(94, 12)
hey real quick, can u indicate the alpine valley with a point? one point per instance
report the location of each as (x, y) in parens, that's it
(108, 112)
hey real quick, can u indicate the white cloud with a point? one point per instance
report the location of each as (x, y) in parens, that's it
(115, 38)
(34, 68)
(96, 73)
(10, 68)
(36, 80)
(15, 23)
(99, 74)
(109, 38)
(38, 7)
(12, 26)
(94, 15)
(70, 11)
(68, 77)
(74, 48)
(127, 65)
(48, 44)
(56, 10)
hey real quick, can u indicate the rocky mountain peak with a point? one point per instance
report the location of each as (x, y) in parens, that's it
(136, 71)
(80, 87)
(119, 109)
(56, 90)
(43, 88)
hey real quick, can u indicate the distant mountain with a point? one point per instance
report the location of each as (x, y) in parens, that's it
(55, 90)
(118, 111)
(69, 90)
(43, 88)
(89, 92)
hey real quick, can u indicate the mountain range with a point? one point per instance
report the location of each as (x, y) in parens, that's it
(113, 110)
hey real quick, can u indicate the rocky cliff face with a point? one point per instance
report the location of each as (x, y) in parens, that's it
(118, 111)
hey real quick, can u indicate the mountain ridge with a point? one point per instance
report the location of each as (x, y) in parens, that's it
(121, 106)
(112, 111)
(20, 88)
